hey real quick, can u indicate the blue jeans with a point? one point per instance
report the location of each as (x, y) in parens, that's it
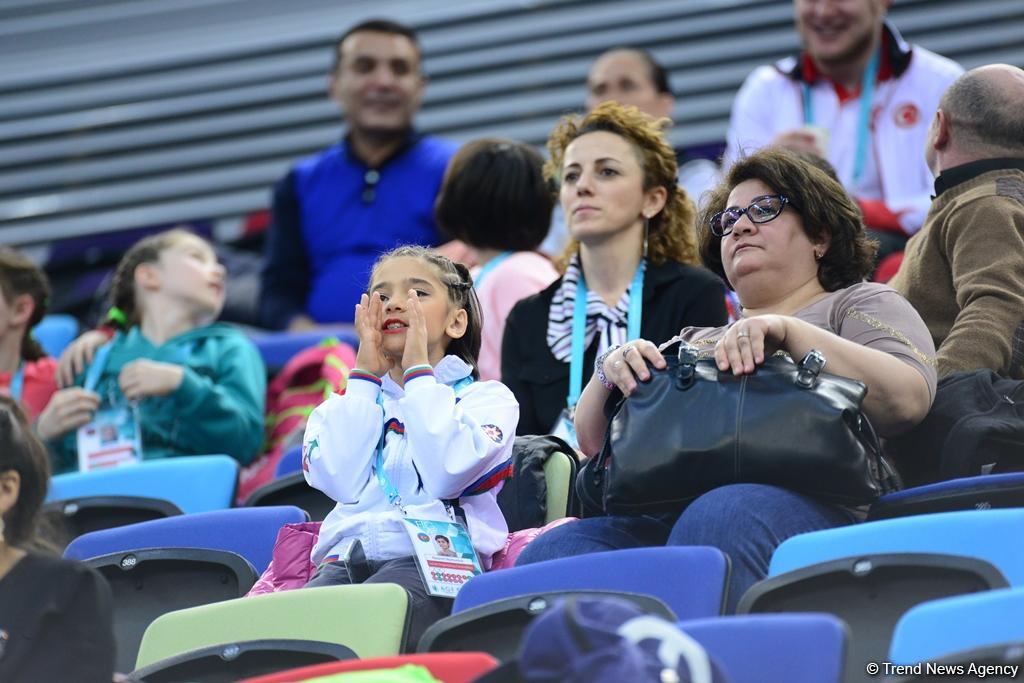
(745, 521)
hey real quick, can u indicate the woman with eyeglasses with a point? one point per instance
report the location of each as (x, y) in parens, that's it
(791, 243)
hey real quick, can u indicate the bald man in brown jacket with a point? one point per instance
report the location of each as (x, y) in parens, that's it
(964, 271)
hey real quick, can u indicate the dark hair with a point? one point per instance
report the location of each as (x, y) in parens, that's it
(146, 250)
(494, 195)
(983, 115)
(22, 452)
(825, 207)
(438, 537)
(377, 26)
(656, 72)
(672, 235)
(459, 283)
(20, 276)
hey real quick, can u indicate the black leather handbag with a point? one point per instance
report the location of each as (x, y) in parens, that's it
(691, 429)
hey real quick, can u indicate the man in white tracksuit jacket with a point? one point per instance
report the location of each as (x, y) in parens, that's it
(812, 103)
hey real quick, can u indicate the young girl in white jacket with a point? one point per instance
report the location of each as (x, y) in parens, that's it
(447, 438)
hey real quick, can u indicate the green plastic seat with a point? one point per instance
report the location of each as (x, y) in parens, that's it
(370, 619)
(560, 475)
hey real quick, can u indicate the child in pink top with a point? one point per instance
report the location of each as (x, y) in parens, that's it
(495, 199)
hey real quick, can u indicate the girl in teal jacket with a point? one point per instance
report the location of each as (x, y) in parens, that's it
(197, 387)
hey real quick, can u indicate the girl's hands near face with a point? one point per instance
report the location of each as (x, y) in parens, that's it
(67, 410)
(627, 366)
(143, 378)
(369, 319)
(415, 352)
(748, 342)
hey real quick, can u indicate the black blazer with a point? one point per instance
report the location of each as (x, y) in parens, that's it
(675, 296)
(56, 622)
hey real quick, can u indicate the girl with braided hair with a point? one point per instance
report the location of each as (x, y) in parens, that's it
(415, 436)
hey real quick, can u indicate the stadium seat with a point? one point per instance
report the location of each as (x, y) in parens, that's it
(54, 332)
(795, 648)
(290, 462)
(82, 502)
(292, 489)
(450, 667)
(560, 476)
(276, 348)
(150, 582)
(491, 610)
(960, 629)
(229, 662)
(371, 619)
(985, 492)
(870, 574)
(249, 532)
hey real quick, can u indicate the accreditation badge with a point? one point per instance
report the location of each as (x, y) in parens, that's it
(113, 438)
(444, 554)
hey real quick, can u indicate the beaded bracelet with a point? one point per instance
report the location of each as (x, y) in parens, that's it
(599, 368)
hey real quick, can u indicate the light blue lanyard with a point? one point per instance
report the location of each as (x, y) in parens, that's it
(867, 94)
(394, 498)
(579, 328)
(18, 382)
(488, 267)
(95, 371)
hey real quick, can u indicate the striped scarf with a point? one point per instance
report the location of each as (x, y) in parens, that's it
(610, 324)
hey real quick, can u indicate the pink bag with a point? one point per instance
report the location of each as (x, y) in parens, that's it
(517, 540)
(290, 566)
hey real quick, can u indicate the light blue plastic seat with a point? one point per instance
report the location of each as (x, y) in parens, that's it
(54, 332)
(194, 483)
(277, 348)
(942, 628)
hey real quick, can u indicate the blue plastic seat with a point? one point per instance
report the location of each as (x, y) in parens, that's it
(277, 348)
(492, 610)
(194, 483)
(54, 332)
(291, 461)
(981, 534)
(938, 629)
(984, 492)
(796, 648)
(249, 532)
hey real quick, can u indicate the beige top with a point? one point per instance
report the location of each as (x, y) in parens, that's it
(868, 313)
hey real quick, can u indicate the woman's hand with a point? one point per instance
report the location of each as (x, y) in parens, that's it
(627, 365)
(68, 409)
(77, 356)
(369, 319)
(415, 352)
(749, 341)
(142, 378)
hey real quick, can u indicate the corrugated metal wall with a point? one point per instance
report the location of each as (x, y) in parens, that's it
(129, 113)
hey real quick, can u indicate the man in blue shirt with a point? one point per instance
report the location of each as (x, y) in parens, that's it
(336, 211)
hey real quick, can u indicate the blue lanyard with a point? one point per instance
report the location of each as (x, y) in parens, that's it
(95, 371)
(867, 94)
(18, 382)
(486, 268)
(394, 498)
(579, 327)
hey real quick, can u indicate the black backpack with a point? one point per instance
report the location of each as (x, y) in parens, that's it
(523, 497)
(975, 426)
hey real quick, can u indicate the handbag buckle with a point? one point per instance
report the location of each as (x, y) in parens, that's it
(810, 366)
(688, 355)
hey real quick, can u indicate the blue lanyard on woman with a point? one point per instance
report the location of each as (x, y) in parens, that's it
(18, 382)
(867, 94)
(394, 498)
(579, 327)
(486, 268)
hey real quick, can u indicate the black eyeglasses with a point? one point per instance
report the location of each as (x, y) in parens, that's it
(761, 210)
